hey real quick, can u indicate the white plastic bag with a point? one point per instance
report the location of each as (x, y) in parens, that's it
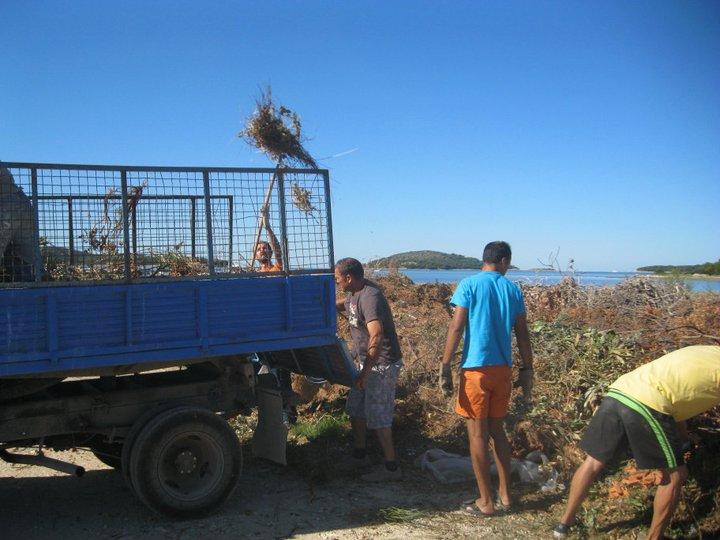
(445, 467)
(449, 468)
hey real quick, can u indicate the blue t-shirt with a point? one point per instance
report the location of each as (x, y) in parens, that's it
(493, 303)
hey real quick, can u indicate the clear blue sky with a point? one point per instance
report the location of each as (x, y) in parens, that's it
(589, 126)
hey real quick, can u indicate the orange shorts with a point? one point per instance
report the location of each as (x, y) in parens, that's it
(484, 392)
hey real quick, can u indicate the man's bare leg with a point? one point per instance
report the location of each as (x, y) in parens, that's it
(666, 498)
(478, 435)
(359, 428)
(384, 436)
(581, 482)
(503, 454)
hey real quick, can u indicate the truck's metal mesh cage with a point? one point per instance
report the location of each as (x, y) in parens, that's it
(68, 223)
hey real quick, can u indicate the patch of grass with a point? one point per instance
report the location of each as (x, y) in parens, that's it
(244, 426)
(394, 514)
(327, 426)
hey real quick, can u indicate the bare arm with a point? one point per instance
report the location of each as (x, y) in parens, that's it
(340, 304)
(527, 375)
(375, 330)
(455, 333)
(274, 243)
(523, 341)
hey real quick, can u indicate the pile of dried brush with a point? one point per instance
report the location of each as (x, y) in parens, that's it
(583, 339)
(104, 258)
(277, 132)
(176, 264)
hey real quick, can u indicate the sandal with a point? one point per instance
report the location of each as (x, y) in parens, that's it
(475, 511)
(504, 508)
(499, 505)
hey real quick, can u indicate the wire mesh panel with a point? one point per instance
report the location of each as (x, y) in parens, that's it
(237, 198)
(167, 236)
(76, 230)
(295, 221)
(18, 228)
(307, 220)
(95, 223)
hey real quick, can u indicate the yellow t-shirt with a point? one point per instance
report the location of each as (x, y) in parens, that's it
(682, 384)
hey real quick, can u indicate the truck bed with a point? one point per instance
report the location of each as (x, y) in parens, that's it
(63, 331)
(109, 270)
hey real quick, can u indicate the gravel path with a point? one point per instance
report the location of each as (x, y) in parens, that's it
(270, 502)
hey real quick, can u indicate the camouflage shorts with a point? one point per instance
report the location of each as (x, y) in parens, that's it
(376, 403)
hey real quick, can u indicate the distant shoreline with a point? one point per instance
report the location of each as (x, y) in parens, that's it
(699, 277)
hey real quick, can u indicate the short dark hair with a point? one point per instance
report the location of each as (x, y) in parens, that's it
(351, 266)
(266, 243)
(495, 252)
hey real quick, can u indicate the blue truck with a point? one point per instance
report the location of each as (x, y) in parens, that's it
(135, 323)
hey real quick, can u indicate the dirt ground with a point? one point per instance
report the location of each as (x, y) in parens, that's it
(270, 502)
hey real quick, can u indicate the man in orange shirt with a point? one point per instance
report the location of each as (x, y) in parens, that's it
(263, 254)
(264, 250)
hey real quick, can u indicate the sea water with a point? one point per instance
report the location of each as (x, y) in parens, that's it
(547, 277)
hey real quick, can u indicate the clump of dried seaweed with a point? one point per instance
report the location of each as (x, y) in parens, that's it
(276, 131)
(302, 198)
(176, 264)
(103, 237)
(103, 259)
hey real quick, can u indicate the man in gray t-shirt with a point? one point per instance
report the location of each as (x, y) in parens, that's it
(371, 401)
(369, 304)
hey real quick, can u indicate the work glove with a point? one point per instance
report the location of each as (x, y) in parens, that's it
(445, 380)
(526, 382)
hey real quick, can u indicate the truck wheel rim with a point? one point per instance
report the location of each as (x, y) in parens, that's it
(191, 465)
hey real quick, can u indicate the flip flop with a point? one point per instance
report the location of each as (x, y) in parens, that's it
(499, 506)
(475, 511)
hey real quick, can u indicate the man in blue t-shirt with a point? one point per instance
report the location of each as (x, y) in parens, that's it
(488, 308)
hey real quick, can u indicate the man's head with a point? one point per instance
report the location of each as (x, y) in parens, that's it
(263, 252)
(349, 275)
(497, 256)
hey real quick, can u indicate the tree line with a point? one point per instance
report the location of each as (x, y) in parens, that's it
(708, 268)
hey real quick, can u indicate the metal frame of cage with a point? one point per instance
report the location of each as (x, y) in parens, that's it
(286, 215)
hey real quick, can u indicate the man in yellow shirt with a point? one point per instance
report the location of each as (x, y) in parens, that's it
(646, 410)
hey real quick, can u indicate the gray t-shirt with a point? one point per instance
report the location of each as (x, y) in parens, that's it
(367, 305)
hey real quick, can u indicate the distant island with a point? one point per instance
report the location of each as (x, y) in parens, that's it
(431, 260)
(708, 269)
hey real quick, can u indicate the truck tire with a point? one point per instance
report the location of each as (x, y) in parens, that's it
(185, 462)
(130, 438)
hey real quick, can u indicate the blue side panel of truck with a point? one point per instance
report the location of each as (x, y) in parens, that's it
(81, 327)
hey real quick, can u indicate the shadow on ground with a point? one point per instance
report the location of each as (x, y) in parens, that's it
(311, 496)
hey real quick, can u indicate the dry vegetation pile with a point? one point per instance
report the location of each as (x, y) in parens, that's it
(103, 257)
(276, 131)
(583, 339)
